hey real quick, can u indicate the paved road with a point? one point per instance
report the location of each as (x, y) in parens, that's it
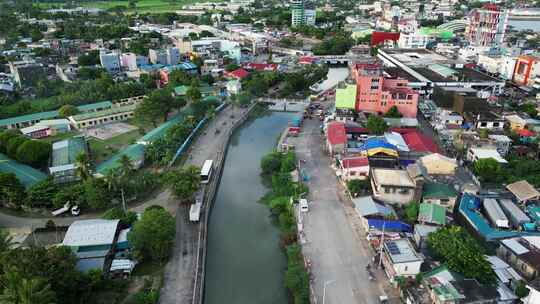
(178, 280)
(337, 254)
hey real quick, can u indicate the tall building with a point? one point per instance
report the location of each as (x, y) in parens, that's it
(110, 61)
(487, 26)
(157, 56)
(302, 13)
(377, 94)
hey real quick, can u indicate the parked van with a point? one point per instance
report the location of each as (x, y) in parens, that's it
(303, 205)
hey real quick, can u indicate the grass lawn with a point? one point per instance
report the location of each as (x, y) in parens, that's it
(102, 150)
(142, 6)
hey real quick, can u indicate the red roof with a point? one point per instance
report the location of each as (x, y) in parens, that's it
(260, 66)
(420, 143)
(336, 133)
(238, 74)
(306, 60)
(353, 162)
(380, 37)
(525, 133)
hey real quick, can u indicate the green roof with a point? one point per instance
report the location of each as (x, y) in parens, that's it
(28, 176)
(135, 153)
(181, 90)
(432, 213)
(29, 117)
(95, 106)
(161, 130)
(64, 152)
(438, 190)
(346, 98)
(205, 89)
(107, 112)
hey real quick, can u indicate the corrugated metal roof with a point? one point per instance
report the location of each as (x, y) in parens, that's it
(432, 213)
(90, 233)
(367, 206)
(516, 247)
(135, 153)
(27, 175)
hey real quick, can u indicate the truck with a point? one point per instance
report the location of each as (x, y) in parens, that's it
(195, 212)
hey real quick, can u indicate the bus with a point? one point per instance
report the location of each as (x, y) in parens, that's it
(206, 171)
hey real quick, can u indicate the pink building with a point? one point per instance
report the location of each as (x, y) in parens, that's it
(377, 94)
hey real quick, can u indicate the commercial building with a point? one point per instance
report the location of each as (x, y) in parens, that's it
(377, 94)
(209, 47)
(173, 56)
(63, 161)
(527, 71)
(157, 56)
(426, 70)
(487, 26)
(110, 61)
(302, 13)
(92, 241)
(413, 40)
(132, 61)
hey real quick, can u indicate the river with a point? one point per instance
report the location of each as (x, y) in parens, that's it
(245, 264)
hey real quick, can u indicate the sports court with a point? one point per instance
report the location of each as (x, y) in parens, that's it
(27, 175)
(107, 131)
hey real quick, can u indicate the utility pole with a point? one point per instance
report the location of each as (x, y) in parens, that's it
(381, 245)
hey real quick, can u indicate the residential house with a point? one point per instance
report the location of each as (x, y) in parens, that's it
(523, 191)
(501, 142)
(504, 272)
(489, 121)
(354, 168)
(63, 165)
(238, 74)
(441, 194)
(336, 138)
(421, 233)
(367, 208)
(516, 123)
(433, 214)
(523, 254)
(393, 185)
(437, 164)
(400, 259)
(474, 154)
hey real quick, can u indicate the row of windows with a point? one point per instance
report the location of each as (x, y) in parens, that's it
(105, 120)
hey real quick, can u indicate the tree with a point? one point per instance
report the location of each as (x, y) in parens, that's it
(6, 241)
(487, 169)
(13, 145)
(88, 59)
(271, 163)
(193, 94)
(6, 136)
(22, 290)
(11, 190)
(231, 67)
(153, 235)
(34, 153)
(357, 186)
(393, 112)
(127, 218)
(156, 106)
(185, 182)
(68, 110)
(455, 247)
(411, 212)
(95, 193)
(521, 290)
(82, 163)
(483, 133)
(376, 125)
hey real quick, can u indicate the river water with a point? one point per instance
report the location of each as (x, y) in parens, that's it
(244, 263)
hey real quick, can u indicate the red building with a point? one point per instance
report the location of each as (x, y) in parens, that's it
(377, 94)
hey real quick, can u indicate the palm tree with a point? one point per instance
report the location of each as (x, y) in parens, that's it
(21, 290)
(82, 161)
(6, 241)
(117, 180)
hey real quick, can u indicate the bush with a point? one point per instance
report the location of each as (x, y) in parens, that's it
(358, 186)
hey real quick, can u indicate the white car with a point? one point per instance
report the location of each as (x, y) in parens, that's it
(304, 205)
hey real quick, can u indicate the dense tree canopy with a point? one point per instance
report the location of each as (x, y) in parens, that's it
(376, 125)
(185, 182)
(153, 235)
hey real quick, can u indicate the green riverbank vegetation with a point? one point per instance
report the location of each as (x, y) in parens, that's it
(279, 169)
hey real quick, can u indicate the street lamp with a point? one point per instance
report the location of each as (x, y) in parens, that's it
(324, 289)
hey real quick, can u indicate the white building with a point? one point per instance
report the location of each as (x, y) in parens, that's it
(234, 87)
(502, 65)
(110, 61)
(157, 56)
(412, 40)
(400, 259)
(132, 61)
(173, 55)
(475, 154)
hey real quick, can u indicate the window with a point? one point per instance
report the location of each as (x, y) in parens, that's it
(496, 124)
(483, 124)
(386, 190)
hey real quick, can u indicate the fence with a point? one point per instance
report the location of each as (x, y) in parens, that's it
(188, 140)
(210, 192)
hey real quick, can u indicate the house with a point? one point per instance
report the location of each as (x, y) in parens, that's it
(523, 254)
(504, 272)
(380, 153)
(489, 121)
(392, 185)
(354, 168)
(441, 194)
(421, 233)
(400, 259)
(63, 160)
(523, 191)
(501, 142)
(516, 123)
(474, 154)
(432, 214)
(238, 74)
(92, 241)
(367, 208)
(437, 164)
(526, 136)
(234, 87)
(336, 138)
